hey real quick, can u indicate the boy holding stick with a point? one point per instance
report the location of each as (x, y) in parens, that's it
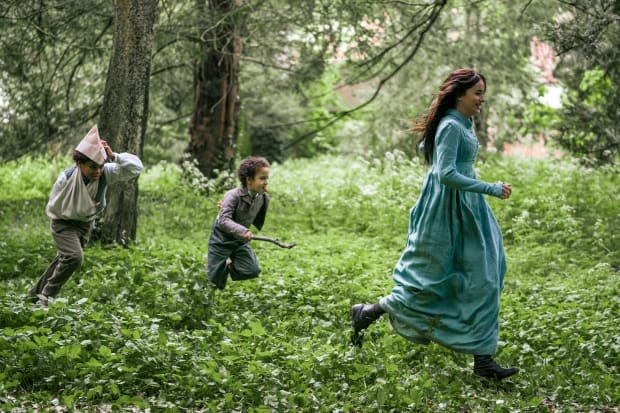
(229, 248)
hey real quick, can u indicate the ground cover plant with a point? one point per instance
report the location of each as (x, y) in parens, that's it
(136, 329)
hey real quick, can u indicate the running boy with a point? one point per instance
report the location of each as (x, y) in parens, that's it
(77, 198)
(229, 248)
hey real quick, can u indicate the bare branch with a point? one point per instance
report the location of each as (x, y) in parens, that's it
(168, 68)
(81, 61)
(525, 8)
(340, 115)
(165, 46)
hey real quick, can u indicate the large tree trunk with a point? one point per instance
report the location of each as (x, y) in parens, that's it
(125, 107)
(213, 126)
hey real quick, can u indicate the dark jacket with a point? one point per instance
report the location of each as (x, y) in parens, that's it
(239, 211)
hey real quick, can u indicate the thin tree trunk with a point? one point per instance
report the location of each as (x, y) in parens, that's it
(213, 126)
(125, 108)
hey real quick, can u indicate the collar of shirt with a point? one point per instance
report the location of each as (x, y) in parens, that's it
(465, 121)
(247, 195)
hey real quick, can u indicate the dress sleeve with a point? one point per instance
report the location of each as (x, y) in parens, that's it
(447, 146)
(225, 220)
(124, 167)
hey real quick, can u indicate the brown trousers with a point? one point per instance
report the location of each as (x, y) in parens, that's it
(70, 238)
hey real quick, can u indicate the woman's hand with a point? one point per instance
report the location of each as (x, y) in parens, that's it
(247, 236)
(506, 191)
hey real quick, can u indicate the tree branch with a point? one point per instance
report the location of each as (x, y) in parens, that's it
(340, 115)
(81, 61)
(167, 69)
(525, 8)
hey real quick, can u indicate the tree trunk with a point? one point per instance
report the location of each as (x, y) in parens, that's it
(213, 126)
(125, 108)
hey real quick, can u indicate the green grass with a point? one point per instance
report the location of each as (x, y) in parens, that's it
(136, 330)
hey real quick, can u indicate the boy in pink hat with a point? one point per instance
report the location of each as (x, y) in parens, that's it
(77, 198)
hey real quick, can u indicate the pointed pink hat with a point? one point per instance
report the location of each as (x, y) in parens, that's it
(91, 146)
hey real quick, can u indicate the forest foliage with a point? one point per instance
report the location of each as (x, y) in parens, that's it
(296, 78)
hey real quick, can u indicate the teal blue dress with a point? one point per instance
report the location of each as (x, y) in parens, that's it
(450, 275)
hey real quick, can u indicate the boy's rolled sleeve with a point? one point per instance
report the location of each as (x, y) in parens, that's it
(124, 167)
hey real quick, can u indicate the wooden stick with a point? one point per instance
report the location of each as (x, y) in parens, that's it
(273, 240)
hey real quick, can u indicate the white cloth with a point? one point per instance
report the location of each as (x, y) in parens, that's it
(72, 200)
(124, 167)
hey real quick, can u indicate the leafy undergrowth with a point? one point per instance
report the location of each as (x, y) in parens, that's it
(137, 329)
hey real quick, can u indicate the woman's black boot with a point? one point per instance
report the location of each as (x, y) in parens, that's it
(363, 315)
(485, 366)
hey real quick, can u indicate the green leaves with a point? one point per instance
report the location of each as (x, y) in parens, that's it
(138, 329)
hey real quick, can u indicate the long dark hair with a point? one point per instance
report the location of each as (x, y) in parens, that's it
(455, 86)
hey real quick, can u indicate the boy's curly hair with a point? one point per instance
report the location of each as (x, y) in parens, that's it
(249, 166)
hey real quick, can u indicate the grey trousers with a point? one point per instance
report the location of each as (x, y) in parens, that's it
(243, 265)
(70, 238)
